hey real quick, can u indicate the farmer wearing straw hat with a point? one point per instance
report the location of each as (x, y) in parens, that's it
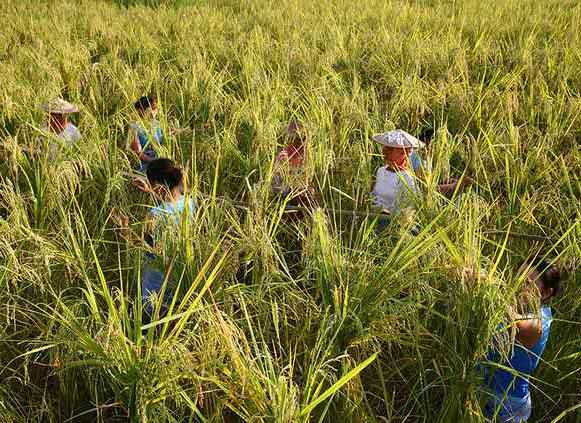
(394, 182)
(290, 169)
(58, 124)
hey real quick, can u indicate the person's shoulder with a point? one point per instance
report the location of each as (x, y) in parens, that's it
(529, 331)
(191, 205)
(155, 211)
(73, 132)
(134, 126)
(415, 160)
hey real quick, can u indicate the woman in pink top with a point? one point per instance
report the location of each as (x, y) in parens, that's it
(289, 174)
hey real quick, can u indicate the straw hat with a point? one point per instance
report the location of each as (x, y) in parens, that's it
(398, 139)
(58, 105)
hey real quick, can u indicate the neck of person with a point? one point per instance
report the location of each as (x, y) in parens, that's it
(172, 196)
(175, 194)
(389, 165)
(58, 127)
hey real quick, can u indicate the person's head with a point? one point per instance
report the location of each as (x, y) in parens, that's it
(395, 155)
(545, 276)
(397, 146)
(58, 111)
(426, 136)
(295, 134)
(165, 177)
(146, 106)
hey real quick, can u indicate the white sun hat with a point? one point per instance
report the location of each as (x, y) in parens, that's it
(58, 105)
(398, 139)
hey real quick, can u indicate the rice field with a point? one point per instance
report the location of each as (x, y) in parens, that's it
(277, 319)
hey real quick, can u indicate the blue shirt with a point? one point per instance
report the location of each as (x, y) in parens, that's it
(415, 161)
(523, 362)
(165, 214)
(146, 139)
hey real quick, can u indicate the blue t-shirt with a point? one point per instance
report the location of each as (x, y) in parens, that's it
(523, 362)
(415, 161)
(165, 215)
(147, 138)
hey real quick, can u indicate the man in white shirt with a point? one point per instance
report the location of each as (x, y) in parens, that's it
(394, 184)
(391, 188)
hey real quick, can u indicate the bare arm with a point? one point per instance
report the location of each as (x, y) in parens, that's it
(135, 146)
(529, 331)
(453, 184)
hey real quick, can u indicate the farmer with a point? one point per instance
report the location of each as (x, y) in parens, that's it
(393, 182)
(58, 127)
(164, 184)
(510, 390)
(290, 176)
(145, 132)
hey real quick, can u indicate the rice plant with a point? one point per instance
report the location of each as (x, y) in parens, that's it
(276, 319)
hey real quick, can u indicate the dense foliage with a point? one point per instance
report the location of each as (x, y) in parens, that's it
(277, 320)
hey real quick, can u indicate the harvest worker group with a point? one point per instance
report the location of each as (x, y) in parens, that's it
(506, 381)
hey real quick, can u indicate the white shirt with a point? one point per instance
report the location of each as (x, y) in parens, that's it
(391, 188)
(70, 135)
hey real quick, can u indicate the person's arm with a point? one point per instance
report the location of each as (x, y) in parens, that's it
(453, 184)
(121, 221)
(133, 141)
(135, 146)
(528, 331)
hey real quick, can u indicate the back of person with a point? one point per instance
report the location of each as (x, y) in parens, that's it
(147, 136)
(69, 136)
(508, 391)
(171, 213)
(524, 361)
(166, 219)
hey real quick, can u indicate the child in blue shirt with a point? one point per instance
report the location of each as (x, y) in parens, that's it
(164, 183)
(145, 134)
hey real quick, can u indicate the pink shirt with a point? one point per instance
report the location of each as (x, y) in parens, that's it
(295, 156)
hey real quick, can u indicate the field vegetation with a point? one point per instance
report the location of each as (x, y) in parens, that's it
(275, 320)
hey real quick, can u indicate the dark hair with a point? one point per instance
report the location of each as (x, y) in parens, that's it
(549, 275)
(164, 172)
(145, 102)
(426, 135)
(295, 131)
